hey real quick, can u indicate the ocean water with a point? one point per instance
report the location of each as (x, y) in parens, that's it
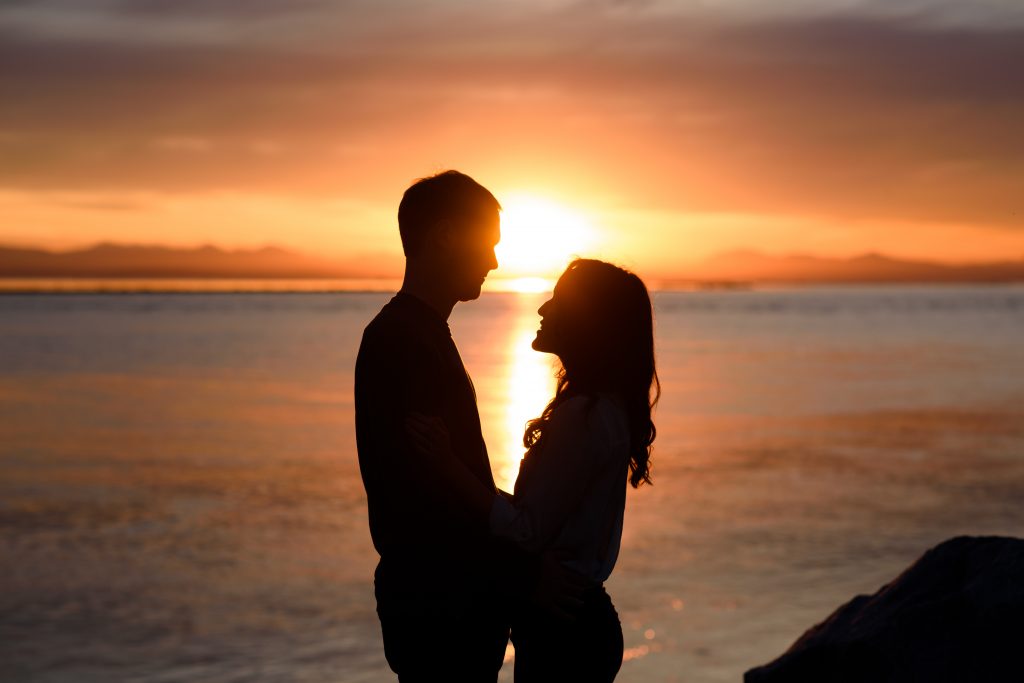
(180, 499)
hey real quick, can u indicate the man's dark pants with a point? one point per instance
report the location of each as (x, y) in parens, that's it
(429, 639)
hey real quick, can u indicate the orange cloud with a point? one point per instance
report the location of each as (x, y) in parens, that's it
(837, 124)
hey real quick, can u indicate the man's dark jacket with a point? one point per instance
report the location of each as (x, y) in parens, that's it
(430, 542)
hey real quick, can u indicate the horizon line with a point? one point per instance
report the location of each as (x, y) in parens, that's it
(173, 285)
(295, 251)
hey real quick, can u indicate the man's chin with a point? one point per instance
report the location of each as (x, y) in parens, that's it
(470, 293)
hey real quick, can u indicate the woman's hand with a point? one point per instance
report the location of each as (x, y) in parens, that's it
(429, 435)
(446, 473)
(559, 590)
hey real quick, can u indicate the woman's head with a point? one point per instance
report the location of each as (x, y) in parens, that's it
(600, 324)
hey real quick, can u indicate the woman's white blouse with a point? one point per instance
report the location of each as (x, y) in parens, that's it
(571, 491)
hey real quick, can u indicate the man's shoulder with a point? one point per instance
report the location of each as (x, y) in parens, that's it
(395, 334)
(392, 323)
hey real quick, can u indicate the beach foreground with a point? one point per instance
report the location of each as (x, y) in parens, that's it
(180, 501)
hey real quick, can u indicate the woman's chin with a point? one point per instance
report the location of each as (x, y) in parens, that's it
(540, 344)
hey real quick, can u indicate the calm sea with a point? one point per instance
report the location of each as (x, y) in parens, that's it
(180, 500)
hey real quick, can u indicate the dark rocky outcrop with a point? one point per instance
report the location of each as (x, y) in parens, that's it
(957, 614)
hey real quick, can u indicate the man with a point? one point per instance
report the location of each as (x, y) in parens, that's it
(442, 583)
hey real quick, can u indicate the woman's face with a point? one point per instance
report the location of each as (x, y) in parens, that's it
(559, 322)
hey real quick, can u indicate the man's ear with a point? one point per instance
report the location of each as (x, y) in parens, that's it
(443, 234)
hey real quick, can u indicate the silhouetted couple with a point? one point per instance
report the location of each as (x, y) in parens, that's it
(461, 563)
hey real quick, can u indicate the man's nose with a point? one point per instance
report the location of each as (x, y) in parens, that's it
(493, 264)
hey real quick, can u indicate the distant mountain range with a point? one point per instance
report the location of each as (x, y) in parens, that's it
(107, 260)
(753, 266)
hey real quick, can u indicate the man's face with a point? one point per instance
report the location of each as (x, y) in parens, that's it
(472, 256)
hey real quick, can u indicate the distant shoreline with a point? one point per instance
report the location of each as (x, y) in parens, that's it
(126, 267)
(171, 285)
(83, 286)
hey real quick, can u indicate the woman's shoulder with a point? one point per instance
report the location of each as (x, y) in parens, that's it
(599, 412)
(613, 416)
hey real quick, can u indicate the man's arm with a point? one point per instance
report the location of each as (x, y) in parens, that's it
(395, 374)
(429, 435)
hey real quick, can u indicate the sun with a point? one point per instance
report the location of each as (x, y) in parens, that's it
(538, 238)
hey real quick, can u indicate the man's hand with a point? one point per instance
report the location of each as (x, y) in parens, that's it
(559, 590)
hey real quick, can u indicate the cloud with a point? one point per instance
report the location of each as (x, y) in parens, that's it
(852, 116)
(193, 9)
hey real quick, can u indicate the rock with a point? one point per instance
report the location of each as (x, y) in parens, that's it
(957, 614)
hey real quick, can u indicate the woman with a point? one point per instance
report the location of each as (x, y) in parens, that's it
(570, 494)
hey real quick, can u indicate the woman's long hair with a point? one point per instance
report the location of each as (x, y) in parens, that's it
(610, 349)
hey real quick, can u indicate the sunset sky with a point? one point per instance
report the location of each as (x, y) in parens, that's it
(651, 133)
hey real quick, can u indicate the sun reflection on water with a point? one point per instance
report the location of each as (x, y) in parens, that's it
(529, 385)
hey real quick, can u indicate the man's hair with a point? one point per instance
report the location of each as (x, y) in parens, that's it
(449, 195)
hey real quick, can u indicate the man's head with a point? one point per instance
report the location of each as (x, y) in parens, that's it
(450, 225)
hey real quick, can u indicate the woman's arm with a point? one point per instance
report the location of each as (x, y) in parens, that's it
(547, 582)
(561, 475)
(562, 472)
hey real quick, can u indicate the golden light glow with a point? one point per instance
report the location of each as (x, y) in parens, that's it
(521, 285)
(530, 385)
(539, 236)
